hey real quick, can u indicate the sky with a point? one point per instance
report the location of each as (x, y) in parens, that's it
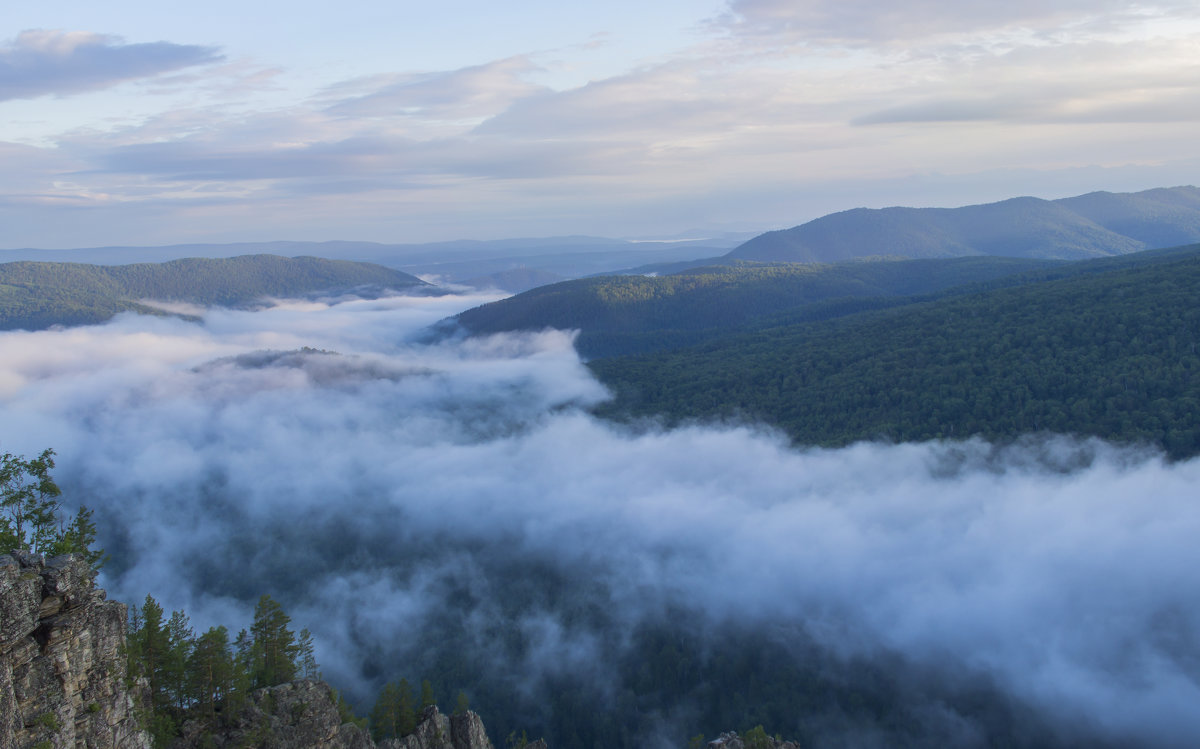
(129, 122)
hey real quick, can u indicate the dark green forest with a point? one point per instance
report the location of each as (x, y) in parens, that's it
(635, 314)
(1105, 348)
(36, 295)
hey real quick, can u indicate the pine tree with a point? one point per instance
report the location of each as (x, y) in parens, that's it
(427, 698)
(385, 720)
(148, 646)
(306, 661)
(179, 647)
(273, 654)
(210, 670)
(78, 537)
(406, 716)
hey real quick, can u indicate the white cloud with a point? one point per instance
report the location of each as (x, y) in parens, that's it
(361, 488)
(465, 94)
(41, 62)
(780, 99)
(869, 22)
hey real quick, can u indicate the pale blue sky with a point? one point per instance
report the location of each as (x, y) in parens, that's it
(128, 122)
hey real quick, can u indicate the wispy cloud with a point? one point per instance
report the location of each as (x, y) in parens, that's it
(866, 23)
(473, 92)
(773, 102)
(59, 63)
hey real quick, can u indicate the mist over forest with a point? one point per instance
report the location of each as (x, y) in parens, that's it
(452, 511)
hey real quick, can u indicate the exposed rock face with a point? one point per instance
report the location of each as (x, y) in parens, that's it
(436, 731)
(298, 715)
(734, 741)
(304, 715)
(62, 670)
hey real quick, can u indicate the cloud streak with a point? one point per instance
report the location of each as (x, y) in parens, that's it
(458, 493)
(42, 62)
(771, 105)
(868, 23)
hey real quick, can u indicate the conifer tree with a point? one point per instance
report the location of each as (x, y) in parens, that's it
(385, 719)
(427, 698)
(148, 646)
(273, 654)
(175, 662)
(406, 716)
(306, 661)
(210, 670)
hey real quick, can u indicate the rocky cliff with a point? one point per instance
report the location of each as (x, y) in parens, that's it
(751, 740)
(62, 666)
(303, 715)
(63, 681)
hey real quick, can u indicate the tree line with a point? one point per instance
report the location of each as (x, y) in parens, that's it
(206, 676)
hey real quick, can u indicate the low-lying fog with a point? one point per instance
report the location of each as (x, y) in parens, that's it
(380, 487)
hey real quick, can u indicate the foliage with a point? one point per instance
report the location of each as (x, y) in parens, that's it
(461, 703)
(203, 676)
(1107, 349)
(634, 314)
(29, 512)
(274, 650)
(756, 738)
(37, 295)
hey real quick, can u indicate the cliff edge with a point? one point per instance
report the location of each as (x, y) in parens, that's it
(62, 665)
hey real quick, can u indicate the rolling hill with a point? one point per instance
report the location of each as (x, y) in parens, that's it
(1093, 225)
(628, 314)
(1101, 348)
(37, 295)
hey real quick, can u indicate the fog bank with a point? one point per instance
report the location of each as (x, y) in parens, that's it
(391, 492)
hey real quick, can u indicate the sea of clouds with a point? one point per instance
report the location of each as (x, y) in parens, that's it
(328, 454)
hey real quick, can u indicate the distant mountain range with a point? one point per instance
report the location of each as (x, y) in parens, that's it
(460, 262)
(1093, 225)
(37, 295)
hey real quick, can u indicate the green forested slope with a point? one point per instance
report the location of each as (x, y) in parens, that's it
(35, 295)
(1099, 352)
(627, 314)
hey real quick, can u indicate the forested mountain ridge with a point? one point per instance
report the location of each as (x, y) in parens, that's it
(627, 314)
(36, 295)
(1092, 225)
(1105, 349)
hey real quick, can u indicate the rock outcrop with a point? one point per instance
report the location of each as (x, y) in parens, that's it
(734, 741)
(63, 681)
(436, 731)
(299, 714)
(303, 715)
(62, 666)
